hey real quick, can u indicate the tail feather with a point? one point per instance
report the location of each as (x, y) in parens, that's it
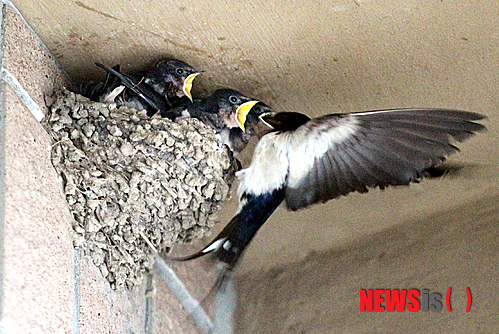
(131, 84)
(228, 244)
(95, 90)
(231, 242)
(211, 247)
(112, 81)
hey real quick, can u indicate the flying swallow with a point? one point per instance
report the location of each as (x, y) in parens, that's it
(167, 85)
(303, 161)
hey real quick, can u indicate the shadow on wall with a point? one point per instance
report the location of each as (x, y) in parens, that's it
(455, 249)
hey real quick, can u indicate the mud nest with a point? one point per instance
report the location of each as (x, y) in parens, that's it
(135, 185)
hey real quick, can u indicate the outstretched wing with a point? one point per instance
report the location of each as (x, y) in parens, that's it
(337, 154)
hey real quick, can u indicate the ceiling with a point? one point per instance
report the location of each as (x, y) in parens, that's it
(322, 57)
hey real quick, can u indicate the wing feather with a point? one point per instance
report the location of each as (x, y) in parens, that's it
(364, 167)
(357, 151)
(350, 176)
(334, 168)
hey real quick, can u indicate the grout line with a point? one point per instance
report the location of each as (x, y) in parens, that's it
(178, 288)
(2, 198)
(11, 5)
(75, 293)
(23, 94)
(148, 324)
(2, 169)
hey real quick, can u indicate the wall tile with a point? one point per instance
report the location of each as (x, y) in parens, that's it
(37, 262)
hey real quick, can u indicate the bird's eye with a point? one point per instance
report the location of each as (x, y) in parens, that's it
(180, 71)
(257, 109)
(233, 99)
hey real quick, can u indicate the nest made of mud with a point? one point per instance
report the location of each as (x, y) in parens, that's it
(135, 185)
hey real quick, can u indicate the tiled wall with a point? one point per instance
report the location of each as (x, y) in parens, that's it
(45, 285)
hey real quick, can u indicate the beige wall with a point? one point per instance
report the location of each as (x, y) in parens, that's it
(323, 57)
(45, 285)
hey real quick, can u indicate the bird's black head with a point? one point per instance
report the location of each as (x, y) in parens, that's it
(230, 105)
(285, 121)
(259, 109)
(177, 74)
(253, 123)
(226, 98)
(173, 67)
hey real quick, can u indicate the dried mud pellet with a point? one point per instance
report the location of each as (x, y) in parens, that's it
(129, 178)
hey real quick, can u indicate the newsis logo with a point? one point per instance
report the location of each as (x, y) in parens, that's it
(412, 300)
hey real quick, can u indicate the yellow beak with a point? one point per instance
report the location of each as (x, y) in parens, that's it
(242, 112)
(188, 85)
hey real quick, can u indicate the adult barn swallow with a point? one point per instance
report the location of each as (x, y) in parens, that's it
(167, 84)
(303, 161)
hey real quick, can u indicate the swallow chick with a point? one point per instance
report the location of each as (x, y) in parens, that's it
(167, 85)
(238, 137)
(217, 110)
(303, 161)
(227, 111)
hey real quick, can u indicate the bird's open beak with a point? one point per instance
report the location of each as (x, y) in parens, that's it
(242, 112)
(188, 85)
(267, 119)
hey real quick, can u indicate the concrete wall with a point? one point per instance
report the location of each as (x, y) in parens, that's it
(45, 285)
(454, 249)
(303, 272)
(317, 58)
